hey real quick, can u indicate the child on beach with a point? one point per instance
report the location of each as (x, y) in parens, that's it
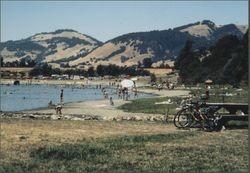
(111, 101)
(58, 109)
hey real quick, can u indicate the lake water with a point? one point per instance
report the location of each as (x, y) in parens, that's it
(25, 97)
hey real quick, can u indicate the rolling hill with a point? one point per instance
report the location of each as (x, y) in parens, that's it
(163, 45)
(53, 47)
(69, 46)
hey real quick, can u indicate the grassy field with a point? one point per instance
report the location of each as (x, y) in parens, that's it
(147, 105)
(232, 95)
(97, 146)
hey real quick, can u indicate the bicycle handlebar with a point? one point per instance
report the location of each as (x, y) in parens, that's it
(198, 103)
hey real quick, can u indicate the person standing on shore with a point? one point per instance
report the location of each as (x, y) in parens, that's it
(135, 93)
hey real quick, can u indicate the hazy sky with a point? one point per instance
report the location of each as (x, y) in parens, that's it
(108, 19)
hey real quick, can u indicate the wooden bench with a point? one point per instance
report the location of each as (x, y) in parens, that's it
(232, 108)
(228, 117)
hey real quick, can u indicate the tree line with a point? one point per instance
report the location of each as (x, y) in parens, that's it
(225, 62)
(101, 70)
(22, 63)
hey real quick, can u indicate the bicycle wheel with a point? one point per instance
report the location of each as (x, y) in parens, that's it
(176, 123)
(185, 118)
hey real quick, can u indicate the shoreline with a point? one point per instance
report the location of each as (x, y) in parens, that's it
(100, 108)
(66, 82)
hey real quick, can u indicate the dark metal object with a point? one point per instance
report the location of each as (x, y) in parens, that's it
(232, 108)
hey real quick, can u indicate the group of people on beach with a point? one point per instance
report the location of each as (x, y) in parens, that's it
(107, 91)
(164, 84)
(122, 93)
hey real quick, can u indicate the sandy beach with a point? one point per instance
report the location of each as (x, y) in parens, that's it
(102, 108)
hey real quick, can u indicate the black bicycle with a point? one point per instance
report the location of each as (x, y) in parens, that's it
(197, 114)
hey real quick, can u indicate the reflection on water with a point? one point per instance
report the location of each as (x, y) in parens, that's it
(23, 97)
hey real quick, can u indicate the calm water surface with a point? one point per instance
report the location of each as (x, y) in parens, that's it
(25, 97)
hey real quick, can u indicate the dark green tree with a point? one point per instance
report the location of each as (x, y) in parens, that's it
(46, 69)
(23, 63)
(100, 70)
(139, 64)
(188, 64)
(147, 62)
(236, 68)
(1, 62)
(91, 72)
(152, 77)
(225, 63)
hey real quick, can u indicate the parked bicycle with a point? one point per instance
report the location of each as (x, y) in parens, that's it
(197, 114)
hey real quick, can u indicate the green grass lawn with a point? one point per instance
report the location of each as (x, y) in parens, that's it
(216, 92)
(147, 105)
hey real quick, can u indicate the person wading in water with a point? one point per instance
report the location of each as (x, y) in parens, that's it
(61, 96)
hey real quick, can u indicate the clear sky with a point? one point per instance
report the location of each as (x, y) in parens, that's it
(108, 19)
